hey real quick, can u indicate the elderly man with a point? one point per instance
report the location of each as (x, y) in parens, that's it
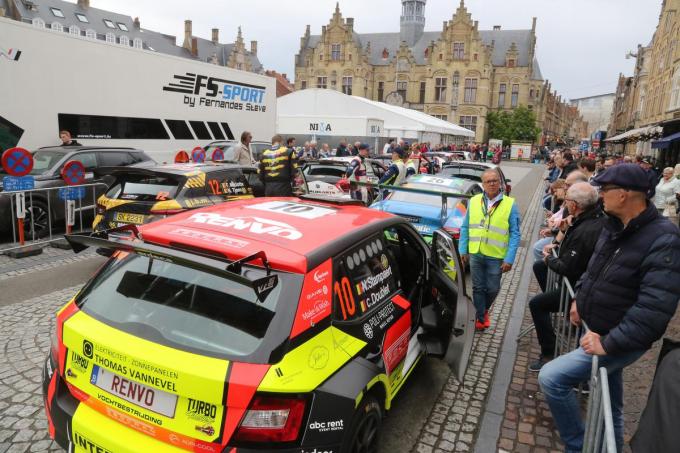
(490, 235)
(627, 296)
(575, 250)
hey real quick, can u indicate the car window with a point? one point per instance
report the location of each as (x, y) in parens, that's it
(115, 159)
(365, 277)
(45, 160)
(463, 172)
(145, 189)
(89, 160)
(324, 170)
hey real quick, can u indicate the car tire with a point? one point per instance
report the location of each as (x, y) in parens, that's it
(364, 432)
(37, 211)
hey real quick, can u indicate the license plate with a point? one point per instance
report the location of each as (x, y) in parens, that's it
(129, 218)
(155, 400)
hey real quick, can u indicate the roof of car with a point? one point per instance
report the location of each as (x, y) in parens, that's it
(467, 163)
(87, 148)
(296, 235)
(187, 169)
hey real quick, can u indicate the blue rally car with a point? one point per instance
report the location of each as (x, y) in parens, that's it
(424, 206)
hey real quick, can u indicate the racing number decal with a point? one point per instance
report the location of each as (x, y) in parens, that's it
(305, 211)
(343, 291)
(215, 187)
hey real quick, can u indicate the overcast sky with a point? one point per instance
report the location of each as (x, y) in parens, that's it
(581, 44)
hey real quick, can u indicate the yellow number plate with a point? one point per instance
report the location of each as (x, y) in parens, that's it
(129, 218)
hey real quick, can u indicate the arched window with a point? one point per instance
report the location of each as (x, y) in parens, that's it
(75, 31)
(124, 41)
(111, 38)
(56, 26)
(38, 22)
(137, 43)
(90, 34)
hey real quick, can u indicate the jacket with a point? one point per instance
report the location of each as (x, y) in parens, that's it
(278, 165)
(243, 155)
(578, 245)
(631, 288)
(568, 169)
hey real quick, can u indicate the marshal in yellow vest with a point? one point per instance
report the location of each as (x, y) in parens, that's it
(489, 235)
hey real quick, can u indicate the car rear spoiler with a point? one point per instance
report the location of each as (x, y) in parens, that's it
(137, 171)
(206, 262)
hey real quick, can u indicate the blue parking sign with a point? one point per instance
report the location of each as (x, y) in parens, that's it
(71, 193)
(18, 183)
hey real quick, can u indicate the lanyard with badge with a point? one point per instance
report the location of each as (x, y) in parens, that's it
(488, 214)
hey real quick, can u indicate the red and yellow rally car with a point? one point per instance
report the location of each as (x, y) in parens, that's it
(276, 324)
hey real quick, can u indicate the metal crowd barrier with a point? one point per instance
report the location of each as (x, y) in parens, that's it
(48, 214)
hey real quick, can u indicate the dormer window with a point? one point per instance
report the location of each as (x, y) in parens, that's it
(90, 34)
(427, 52)
(56, 26)
(57, 12)
(74, 30)
(123, 27)
(109, 24)
(124, 41)
(110, 38)
(385, 53)
(137, 43)
(82, 18)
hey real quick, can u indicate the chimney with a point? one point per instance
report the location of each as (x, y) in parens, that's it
(215, 35)
(187, 35)
(533, 24)
(194, 47)
(496, 27)
(253, 47)
(136, 23)
(350, 23)
(84, 4)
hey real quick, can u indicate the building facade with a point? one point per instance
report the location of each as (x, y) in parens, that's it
(458, 74)
(596, 111)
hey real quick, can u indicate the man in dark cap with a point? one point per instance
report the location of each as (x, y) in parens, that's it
(652, 176)
(627, 296)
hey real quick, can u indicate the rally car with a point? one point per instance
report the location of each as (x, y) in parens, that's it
(255, 325)
(142, 195)
(325, 177)
(431, 202)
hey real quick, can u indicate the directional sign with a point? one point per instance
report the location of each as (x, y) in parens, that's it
(18, 183)
(73, 173)
(181, 157)
(71, 193)
(218, 154)
(17, 161)
(198, 154)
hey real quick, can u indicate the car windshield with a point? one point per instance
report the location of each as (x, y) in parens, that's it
(474, 174)
(421, 198)
(44, 161)
(182, 307)
(229, 150)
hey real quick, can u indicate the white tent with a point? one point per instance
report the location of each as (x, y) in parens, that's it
(323, 105)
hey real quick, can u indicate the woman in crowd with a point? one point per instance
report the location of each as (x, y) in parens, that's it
(665, 199)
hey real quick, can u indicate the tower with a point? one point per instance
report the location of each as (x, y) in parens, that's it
(412, 21)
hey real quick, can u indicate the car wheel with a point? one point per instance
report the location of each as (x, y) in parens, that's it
(364, 433)
(37, 214)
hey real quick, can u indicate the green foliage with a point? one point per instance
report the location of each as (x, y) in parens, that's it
(516, 125)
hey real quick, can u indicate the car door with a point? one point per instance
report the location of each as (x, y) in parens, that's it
(449, 318)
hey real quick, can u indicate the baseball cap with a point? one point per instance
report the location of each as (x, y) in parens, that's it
(626, 176)
(646, 161)
(364, 146)
(399, 152)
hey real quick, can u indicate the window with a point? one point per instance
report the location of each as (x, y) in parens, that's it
(470, 91)
(440, 89)
(458, 50)
(179, 129)
(501, 96)
(109, 24)
(442, 117)
(511, 63)
(401, 89)
(112, 127)
(123, 27)
(200, 130)
(111, 38)
(381, 91)
(124, 41)
(38, 22)
(303, 85)
(56, 26)
(531, 93)
(89, 160)
(347, 85)
(82, 18)
(336, 50)
(10, 134)
(322, 82)
(57, 12)
(137, 43)
(216, 131)
(421, 95)
(515, 95)
(469, 122)
(115, 159)
(90, 34)
(320, 57)
(74, 30)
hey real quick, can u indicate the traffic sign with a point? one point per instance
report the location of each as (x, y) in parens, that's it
(218, 154)
(71, 193)
(181, 157)
(73, 173)
(198, 154)
(18, 183)
(17, 161)
(596, 143)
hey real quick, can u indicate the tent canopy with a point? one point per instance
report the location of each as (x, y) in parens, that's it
(636, 133)
(320, 103)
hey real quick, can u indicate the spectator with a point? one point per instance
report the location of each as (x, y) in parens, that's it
(66, 139)
(627, 296)
(325, 150)
(490, 235)
(278, 168)
(569, 164)
(355, 149)
(389, 146)
(587, 167)
(244, 155)
(342, 149)
(313, 150)
(575, 250)
(664, 198)
(652, 176)
(290, 143)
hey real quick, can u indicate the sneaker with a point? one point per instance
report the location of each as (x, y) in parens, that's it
(487, 322)
(538, 364)
(479, 325)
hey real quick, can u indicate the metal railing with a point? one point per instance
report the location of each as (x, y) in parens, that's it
(45, 215)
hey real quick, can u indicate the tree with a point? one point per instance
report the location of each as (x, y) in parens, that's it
(518, 125)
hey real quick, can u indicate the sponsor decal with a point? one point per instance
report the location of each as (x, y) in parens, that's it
(201, 411)
(368, 331)
(86, 444)
(87, 349)
(320, 127)
(384, 262)
(212, 92)
(381, 319)
(255, 225)
(318, 358)
(210, 237)
(79, 362)
(11, 54)
(323, 188)
(302, 210)
(323, 427)
(371, 282)
(130, 410)
(320, 277)
(315, 299)
(207, 430)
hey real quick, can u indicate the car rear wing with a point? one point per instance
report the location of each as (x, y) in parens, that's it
(199, 259)
(136, 171)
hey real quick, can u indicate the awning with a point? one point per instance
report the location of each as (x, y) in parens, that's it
(666, 141)
(634, 135)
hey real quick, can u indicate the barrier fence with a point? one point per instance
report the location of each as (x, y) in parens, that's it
(41, 216)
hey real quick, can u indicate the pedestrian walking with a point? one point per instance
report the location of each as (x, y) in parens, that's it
(627, 296)
(277, 169)
(489, 239)
(244, 155)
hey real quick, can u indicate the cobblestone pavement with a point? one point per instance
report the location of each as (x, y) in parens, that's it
(50, 258)
(26, 331)
(456, 418)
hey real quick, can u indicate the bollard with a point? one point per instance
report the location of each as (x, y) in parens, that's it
(21, 215)
(70, 215)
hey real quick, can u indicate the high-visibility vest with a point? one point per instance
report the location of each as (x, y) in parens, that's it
(489, 232)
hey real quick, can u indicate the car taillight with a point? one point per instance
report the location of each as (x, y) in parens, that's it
(167, 212)
(454, 232)
(101, 209)
(271, 420)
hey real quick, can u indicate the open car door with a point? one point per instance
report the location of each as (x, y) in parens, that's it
(455, 313)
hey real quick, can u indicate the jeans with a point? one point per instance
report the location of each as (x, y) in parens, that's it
(558, 379)
(486, 281)
(538, 247)
(541, 306)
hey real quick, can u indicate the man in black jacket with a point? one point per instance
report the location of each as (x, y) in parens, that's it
(626, 297)
(569, 164)
(574, 253)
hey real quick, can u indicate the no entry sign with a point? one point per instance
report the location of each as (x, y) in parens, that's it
(17, 161)
(73, 173)
(198, 154)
